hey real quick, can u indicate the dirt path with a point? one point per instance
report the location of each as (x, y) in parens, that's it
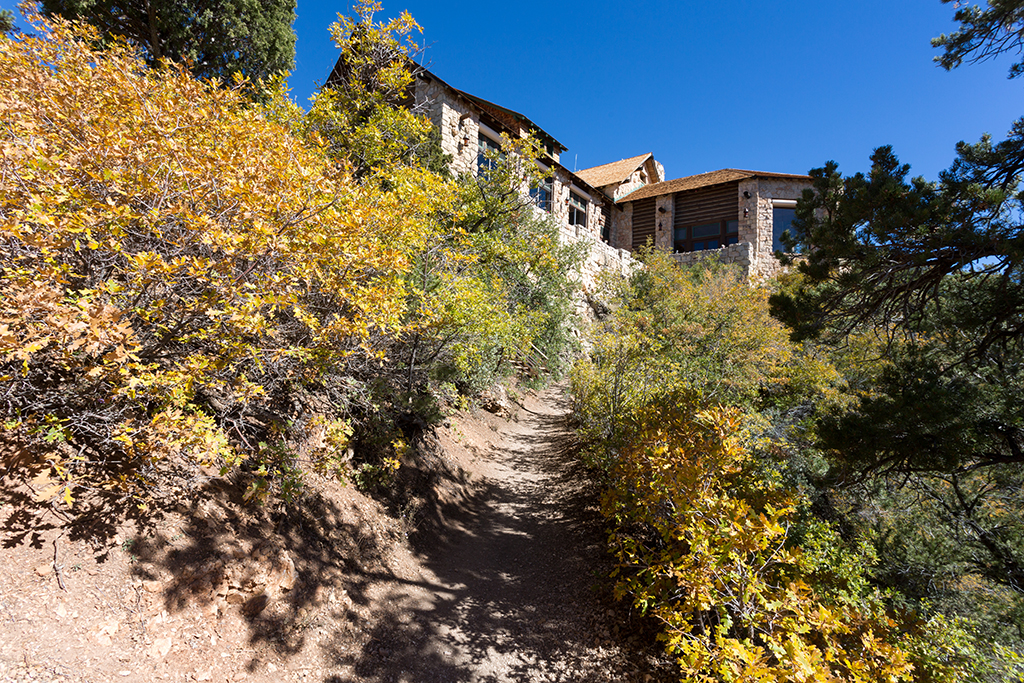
(499, 586)
(510, 595)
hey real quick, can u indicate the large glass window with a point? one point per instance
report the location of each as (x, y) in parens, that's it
(782, 220)
(577, 209)
(487, 154)
(543, 193)
(706, 236)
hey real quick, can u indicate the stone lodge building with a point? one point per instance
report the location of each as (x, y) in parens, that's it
(733, 215)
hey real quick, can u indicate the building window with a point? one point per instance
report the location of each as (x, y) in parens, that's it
(783, 213)
(706, 236)
(577, 209)
(543, 193)
(488, 152)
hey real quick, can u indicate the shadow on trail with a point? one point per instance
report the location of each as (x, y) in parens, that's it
(516, 578)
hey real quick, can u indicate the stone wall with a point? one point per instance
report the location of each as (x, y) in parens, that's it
(458, 120)
(759, 206)
(602, 257)
(622, 227)
(664, 210)
(740, 254)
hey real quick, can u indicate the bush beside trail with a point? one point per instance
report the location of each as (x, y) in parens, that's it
(691, 408)
(195, 282)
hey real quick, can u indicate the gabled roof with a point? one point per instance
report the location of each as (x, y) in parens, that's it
(523, 120)
(693, 182)
(615, 172)
(418, 70)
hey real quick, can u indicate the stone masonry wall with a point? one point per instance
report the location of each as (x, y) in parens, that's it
(459, 123)
(663, 212)
(764, 191)
(622, 227)
(456, 118)
(740, 254)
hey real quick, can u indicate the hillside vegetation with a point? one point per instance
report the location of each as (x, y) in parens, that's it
(818, 479)
(839, 498)
(195, 281)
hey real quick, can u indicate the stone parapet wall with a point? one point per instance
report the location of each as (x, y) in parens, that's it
(740, 254)
(602, 257)
(599, 258)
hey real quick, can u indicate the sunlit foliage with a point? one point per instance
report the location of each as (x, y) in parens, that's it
(686, 407)
(192, 280)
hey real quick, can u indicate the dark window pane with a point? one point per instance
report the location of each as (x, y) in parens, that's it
(485, 145)
(542, 194)
(708, 230)
(782, 220)
(732, 227)
(732, 239)
(577, 209)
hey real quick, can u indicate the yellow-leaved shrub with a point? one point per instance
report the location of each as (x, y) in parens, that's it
(171, 252)
(677, 406)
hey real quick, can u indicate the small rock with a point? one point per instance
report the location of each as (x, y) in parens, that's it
(44, 569)
(160, 648)
(286, 577)
(204, 675)
(151, 586)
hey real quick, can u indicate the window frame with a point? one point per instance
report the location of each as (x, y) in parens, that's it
(788, 205)
(724, 237)
(544, 194)
(577, 214)
(485, 143)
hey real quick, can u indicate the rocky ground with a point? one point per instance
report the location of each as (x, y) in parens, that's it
(491, 576)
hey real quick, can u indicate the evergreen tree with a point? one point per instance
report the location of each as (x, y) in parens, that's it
(926, 454)
(217, 38)
(984, 33)
(6, 21)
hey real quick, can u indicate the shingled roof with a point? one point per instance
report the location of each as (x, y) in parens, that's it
(615, 172)
(498, 111)
(693, 182)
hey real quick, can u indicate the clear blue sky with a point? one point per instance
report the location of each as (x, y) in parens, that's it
(781, 86)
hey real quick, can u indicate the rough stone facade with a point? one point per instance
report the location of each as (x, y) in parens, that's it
(463, 119)
(760, 208)
(757, 195)
(739, 254)
(663, 222)
(456, 118)
(651, 172)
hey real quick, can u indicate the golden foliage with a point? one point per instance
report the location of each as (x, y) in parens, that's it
(717, 567)
(165, 242)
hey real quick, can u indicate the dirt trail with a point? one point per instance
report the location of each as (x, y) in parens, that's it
(510, 595)
(498, 585)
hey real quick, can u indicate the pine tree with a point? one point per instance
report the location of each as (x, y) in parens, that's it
(217, 38)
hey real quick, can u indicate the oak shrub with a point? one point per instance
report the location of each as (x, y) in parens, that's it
(679, 408)
(193, 282)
